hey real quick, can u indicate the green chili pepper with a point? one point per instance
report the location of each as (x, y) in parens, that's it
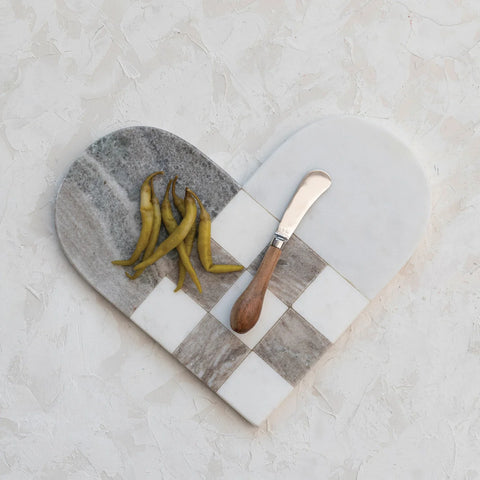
(146, 212)
(177, 200)
(177, 236)
(152, 242)
(204, 244)
(171, 225)
(189, 239)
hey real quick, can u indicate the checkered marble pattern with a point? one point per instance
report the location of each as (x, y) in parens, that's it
(308, 305)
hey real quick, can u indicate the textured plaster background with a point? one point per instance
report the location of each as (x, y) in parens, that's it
(83, 392)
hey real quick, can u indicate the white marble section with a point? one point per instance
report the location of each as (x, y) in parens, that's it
(272, 310)
(254, 389)
(168, 316)
(368, 223)
(330, 304)
(243, 228)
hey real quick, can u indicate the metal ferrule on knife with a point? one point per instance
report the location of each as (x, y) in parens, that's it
(279, 241)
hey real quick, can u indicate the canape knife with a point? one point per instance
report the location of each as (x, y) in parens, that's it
(247, 308)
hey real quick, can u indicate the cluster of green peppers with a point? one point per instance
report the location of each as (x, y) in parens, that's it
(180, 236)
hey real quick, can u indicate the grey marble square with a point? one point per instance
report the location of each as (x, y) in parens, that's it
(214, 285)
(211, 352)
(298, 266)
(292, 346)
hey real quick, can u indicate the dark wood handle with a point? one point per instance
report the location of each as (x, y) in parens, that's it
(247, 308)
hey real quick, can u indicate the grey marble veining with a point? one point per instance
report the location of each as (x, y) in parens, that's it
(211, 352)
(130, 154)
(292, 346)
(97, 209)
(90, 245)
(298, 266)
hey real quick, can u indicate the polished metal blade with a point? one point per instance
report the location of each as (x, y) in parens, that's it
(312, 186)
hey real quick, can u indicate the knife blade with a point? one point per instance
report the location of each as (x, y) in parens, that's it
(313, 185)
(247, 308)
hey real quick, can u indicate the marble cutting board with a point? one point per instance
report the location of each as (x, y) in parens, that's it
(349, 245)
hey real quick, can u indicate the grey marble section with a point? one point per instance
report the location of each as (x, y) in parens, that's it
(211, 352)
(292, 346)
(298, 266)
(130, 154)
(214, 285)
(90, 246)
(97, 208)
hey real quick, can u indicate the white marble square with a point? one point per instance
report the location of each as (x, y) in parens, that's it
(168, 316)
(272, 310)
(367, 224)
(254, 389)
(243, 228)
(330, 304)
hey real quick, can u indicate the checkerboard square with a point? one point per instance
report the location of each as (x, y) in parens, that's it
(211, 352)
(297, 267)
(330, 304)
(243, 228)
(214, 285)
(292, 346)
(254, 389)
(272, 310)
(168, 316)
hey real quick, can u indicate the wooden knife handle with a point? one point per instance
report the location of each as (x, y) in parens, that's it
(247, 308)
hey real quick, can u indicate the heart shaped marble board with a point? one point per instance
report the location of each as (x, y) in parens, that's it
(350, 244)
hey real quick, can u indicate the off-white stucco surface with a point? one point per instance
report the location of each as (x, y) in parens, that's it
(84, 394)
